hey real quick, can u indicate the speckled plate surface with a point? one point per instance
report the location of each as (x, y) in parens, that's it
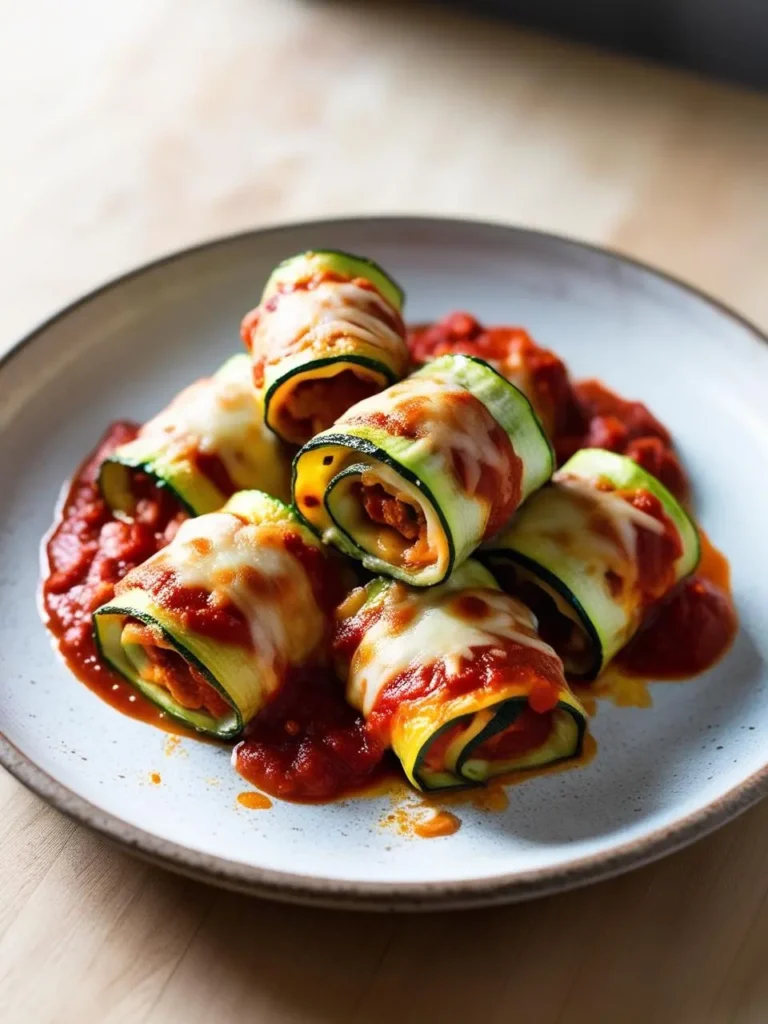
(662, 776)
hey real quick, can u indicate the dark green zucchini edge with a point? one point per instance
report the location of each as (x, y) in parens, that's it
(365, 447)
(114, 609)
(534, 414)
(417, 764)
(489, 556)
(350, 256)
(144, 467)
(371, 364)
(507, 712)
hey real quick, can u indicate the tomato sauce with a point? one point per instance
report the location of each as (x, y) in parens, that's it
(512, 351)
(655, 553)
(87, 553)
(629, 428)
(223, 622)
(691, 630)
(584, 414)
(489, 668)
(309, 745)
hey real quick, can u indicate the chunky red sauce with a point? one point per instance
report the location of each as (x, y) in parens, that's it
(223, 622)
(87, 552)
(512, 351)
(308, 744)
(584, 414)
(629, 428)
(655, 554)
(691, 630)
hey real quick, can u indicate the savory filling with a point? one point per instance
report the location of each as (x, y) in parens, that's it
(404, 539)
(155, 506)
(157, 662)
(314, 403)
(528, 732)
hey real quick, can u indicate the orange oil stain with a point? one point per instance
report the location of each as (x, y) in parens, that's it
(615, 685)
(254, 801)
(155, 778)
(173, 746)
(441, 824)
(713, 565)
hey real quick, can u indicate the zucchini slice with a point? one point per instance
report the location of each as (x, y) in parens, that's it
(411, 480)
(588, 561)
(210, 626)
(208, 443)
(326, 334)
(456, 680)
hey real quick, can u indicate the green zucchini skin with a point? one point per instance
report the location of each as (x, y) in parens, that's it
(381, 370)
(402, 627)
(324, 314)
(254, 534)
(306, 264)
(226, 729)
(536, 547)
(223, 416)
(422, 471)
(504, 715)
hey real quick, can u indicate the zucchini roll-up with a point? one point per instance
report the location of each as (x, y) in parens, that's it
(207, 444)
(210, 627)
(455, 679)
(592, 552)
(411, 480)
(327, 333)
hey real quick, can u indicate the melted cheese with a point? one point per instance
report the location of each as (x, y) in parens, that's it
(436, 633)
(320, 318)
(214, 552)
(625, 519)
(445, 426)
(220, 416)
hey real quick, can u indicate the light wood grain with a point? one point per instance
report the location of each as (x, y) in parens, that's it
(132, 129)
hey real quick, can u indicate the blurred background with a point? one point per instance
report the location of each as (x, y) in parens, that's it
(724, 38)
(133, 128)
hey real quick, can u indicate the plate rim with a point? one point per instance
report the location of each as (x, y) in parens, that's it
(294, 887)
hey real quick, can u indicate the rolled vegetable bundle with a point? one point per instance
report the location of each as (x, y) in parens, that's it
(207, 444)
(592, 552)
(411, 480)
(210, 627)
(455, 679)
(327, 333)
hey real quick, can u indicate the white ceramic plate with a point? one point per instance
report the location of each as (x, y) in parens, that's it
(661, 777)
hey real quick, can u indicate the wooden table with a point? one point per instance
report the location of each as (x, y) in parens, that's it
(132, 129)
